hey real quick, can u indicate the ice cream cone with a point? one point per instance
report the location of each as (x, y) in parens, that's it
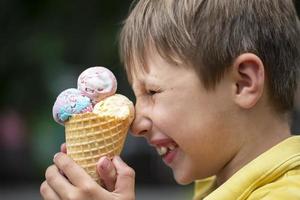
(96, 119)
(90, 136)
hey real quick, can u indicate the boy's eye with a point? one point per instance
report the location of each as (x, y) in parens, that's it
(151, 92)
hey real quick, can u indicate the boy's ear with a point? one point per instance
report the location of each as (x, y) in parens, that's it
(249, 79)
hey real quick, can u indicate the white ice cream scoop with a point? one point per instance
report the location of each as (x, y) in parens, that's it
(97, 83)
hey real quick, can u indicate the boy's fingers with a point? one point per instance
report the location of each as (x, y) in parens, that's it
(47, 192)
(76, 175)
(63, 148)
(83, 185)
(57, 182)
(125, 177)
(107, 173)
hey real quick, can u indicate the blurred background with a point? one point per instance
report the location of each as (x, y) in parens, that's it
(44, 46)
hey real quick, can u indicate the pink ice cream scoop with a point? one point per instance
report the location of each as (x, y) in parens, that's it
(70, 101)
(97, 83)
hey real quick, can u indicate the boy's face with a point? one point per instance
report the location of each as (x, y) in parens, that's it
(188, 125)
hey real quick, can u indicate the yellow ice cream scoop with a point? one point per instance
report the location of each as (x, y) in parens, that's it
(116, 105)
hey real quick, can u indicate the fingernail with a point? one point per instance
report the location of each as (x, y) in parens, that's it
(55, 156)
(104, 163)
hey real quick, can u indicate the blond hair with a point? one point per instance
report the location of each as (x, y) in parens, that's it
(209, 34)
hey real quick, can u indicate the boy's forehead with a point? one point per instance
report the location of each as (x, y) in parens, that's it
(135, 73)
(143, 77)
(149, 66)
(139, 67)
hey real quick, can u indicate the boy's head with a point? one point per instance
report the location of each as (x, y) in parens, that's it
(208, 35)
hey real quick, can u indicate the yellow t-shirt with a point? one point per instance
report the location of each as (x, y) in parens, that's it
(274, 175)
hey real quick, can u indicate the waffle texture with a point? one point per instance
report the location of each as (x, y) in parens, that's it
(90, 136)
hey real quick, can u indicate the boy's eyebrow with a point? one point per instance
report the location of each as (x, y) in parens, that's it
(151, 79)
(137, 84)
(143, 82)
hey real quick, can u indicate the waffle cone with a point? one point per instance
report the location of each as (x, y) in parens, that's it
(90, 136)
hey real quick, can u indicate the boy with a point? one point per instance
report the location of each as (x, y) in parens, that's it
(214, 82)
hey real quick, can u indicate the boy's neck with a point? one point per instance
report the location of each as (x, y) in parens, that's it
(259, 135)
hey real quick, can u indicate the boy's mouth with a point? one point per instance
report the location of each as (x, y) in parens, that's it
(166, 148)
(163, 150)
(167, 152)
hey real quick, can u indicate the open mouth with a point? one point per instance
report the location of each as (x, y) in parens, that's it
(163, 150)
(167, 152)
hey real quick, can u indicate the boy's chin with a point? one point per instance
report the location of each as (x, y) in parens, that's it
(182, 178)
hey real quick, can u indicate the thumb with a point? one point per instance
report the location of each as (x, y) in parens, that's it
(107, 173)
(125, 177)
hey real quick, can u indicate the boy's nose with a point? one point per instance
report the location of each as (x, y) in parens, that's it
(141, 125)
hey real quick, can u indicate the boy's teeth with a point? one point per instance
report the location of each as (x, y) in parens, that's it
(163, 150)
(171, 147)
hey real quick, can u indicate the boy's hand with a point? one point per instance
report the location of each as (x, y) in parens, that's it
(77, 184)
(105, 169)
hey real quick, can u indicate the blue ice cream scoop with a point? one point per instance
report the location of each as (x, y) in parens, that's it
(70, 101)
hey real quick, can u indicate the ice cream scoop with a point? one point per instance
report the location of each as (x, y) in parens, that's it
(116, 105)
(97, 83)
(70, 101)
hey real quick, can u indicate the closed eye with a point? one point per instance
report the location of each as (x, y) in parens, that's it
(151, 92)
